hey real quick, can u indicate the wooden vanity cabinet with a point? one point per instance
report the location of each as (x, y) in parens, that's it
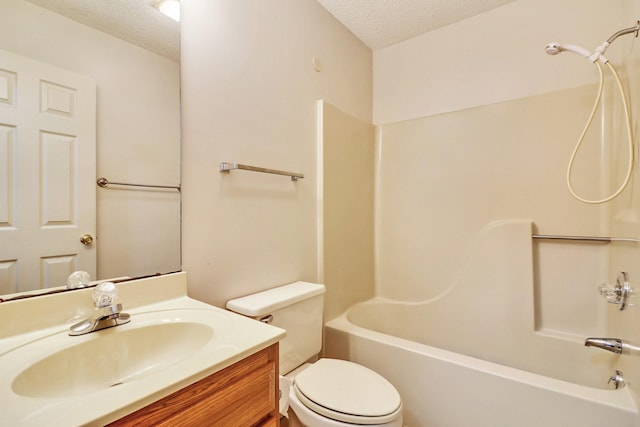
(243, 394)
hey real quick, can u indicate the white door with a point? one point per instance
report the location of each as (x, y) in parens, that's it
(47, 174)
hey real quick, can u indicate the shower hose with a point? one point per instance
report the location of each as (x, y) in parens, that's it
(588, 125)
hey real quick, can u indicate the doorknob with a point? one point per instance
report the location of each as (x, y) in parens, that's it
(86, 239)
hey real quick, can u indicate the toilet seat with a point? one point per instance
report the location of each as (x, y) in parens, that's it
(347, 392)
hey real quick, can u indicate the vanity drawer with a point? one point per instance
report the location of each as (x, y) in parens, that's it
(243, 394)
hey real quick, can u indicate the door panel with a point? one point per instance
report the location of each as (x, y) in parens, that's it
(47, 174)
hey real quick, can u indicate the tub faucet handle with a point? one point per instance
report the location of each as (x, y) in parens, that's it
(618, 293)
(617, 380)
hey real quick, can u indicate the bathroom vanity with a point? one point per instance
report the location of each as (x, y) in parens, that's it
(244, 394)
(177, 362)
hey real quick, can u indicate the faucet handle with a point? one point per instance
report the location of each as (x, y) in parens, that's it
(617, 379)
(78, 279)
(608, 291)
(105, 295)
(620, 293)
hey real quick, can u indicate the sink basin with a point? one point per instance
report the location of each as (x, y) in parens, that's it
(110, 358)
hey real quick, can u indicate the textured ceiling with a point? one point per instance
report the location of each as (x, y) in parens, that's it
(380, 23)
(132, 20)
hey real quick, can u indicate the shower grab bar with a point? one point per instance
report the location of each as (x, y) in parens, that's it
(227, 167)
(104, 183)
(586, 238)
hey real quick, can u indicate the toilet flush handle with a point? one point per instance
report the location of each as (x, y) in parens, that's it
(267, 319)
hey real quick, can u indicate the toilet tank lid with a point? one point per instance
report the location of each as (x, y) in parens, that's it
(266, 302)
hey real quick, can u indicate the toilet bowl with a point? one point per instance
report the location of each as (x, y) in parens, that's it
(339, 393)
(328, 392)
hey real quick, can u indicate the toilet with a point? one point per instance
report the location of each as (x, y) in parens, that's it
(328, 392)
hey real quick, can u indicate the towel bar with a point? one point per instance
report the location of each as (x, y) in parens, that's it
(227, 167)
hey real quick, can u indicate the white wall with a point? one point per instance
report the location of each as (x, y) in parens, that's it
(138, 133)
(249, 94)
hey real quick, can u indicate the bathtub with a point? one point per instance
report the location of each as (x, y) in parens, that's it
(440, 388)
(476, 355)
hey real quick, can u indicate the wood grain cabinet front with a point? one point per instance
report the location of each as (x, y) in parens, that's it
(241, 395)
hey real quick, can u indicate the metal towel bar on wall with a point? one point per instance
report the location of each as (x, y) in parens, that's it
(104, 183)
(227, 167)
(586, 238)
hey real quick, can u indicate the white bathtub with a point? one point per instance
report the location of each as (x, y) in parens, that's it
(441, 388)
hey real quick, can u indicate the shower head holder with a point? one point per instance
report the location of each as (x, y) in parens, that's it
(598, 53)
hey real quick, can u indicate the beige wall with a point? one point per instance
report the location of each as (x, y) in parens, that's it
(249, 94)
(493, 57)
(138, 133)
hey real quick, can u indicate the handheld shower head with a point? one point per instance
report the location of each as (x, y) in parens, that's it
(556, 48)
(552, 49)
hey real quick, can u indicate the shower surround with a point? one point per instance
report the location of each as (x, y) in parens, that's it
(476, 125)
(460, 285)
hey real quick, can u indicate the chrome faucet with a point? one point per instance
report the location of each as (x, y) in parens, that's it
(108, 313)
(613, 345)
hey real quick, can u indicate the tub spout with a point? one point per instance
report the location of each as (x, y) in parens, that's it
(613, 345)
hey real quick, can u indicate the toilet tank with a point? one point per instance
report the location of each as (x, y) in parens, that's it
(296, 308)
